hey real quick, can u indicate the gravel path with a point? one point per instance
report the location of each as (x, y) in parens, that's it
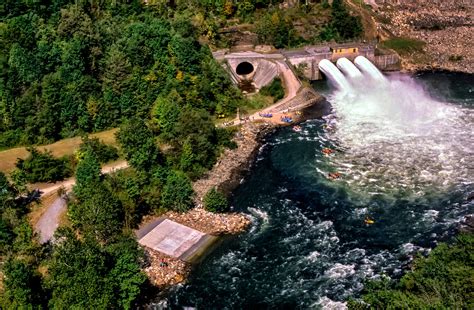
(49, 221)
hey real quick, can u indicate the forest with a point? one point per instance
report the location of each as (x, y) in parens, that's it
(69, 68)
(443, 280)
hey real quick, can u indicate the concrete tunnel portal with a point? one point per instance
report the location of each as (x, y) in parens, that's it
(244, 68)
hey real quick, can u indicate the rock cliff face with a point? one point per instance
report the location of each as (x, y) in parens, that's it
(444, 25)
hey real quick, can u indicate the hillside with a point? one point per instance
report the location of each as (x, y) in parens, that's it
(444, 28)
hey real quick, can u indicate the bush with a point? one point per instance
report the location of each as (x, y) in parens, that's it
(10, 138)
(43, 167)
(103, 152)
(215, 201)
(274, 28)
(225, 136)
(274, 89)
(455, 58)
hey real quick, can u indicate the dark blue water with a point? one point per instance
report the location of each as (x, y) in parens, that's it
(309, 245)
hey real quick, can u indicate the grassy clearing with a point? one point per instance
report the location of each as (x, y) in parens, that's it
(404, 46)
(63, 147)
(256, 102)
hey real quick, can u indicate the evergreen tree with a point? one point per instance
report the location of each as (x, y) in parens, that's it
(88, 176)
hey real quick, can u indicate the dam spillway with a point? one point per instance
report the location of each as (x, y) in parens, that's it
(347, 73)
(368, 68)
(348, 68)
(334, 75)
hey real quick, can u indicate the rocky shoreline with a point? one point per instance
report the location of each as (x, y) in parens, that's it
(226, 176)
(232, 165)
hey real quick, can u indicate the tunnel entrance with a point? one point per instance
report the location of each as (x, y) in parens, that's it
(244, 68)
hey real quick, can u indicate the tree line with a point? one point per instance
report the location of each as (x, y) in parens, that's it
(72, 67)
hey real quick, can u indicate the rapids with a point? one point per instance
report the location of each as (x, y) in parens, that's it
(404, 149)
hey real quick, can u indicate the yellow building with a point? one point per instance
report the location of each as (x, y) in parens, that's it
(344, 50)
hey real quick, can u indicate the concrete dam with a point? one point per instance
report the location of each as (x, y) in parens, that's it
(260, 69)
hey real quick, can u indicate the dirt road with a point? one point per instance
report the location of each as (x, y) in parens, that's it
(49, 221)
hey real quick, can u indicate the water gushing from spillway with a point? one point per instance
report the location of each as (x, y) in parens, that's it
(368, 68)
(394, 138)
(348, 68)
(334, 75)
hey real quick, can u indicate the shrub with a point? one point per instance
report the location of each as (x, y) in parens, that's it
(43, 167)
(103, 152)
(274, 89)
(343, 25)
(455, 58)
(274, 29)
(215, 201)
(224, 137)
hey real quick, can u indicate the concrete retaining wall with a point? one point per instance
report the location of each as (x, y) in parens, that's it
(387, 62)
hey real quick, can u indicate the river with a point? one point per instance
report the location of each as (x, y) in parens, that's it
(309, 245)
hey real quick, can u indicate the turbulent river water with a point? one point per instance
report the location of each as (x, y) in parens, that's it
(402, 156)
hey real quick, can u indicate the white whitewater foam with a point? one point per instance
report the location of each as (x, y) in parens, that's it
(340, 271)
(369, 69)
(394, 137)
(329, 304)
(349, 69)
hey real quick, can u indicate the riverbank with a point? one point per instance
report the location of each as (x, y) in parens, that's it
(226, 176)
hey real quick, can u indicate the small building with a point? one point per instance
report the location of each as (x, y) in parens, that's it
(344, 50)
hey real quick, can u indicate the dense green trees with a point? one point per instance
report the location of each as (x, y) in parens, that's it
(177, 193)
(103, 152)
(443, 280)
(139, 145)
(73, 67)
(85, 274)
(19, 251)
(43, 167)
(22, 285)
(343, 26)
(275, 29)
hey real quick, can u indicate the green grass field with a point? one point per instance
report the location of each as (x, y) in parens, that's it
(404, 46)
(60, 148)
